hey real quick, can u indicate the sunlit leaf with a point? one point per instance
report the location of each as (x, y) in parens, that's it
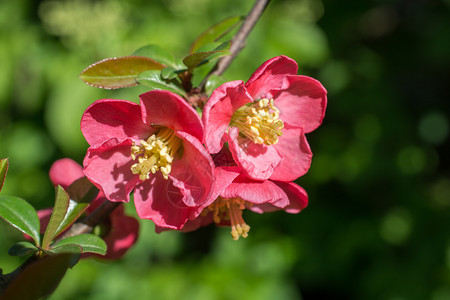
(3, 169)
(88, 242)
(214, 81)
(198, 58)
(39, 279)
(22, 249)
(114, 73)
(153, 80)
(81, 192)
(58, 214)
(20, 214)
(215, 32)
(156, 53)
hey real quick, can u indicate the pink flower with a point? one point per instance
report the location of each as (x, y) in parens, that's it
(154, 149)
(237, 192)
(122, 230)
(265, 120)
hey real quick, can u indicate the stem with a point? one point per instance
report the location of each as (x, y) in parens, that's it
(238, 42)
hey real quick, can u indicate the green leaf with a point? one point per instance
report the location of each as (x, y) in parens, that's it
(82, 192)
(214, 81)
(22, 249)
(3, 169)
(88, 242)
(20, 214)
(65, 248)
(114, 73)
(156, 53)
(169, 73)
(214, 33)
(153, 80)
(198, 58)
(58, 214)
(39, 279)
(73, 249)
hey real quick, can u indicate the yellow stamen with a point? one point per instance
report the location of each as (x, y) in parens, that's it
(231, 209)
(259, 121)
(155, 154)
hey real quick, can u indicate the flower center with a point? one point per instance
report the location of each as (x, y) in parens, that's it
(231, 209)
(155, 154)
(259, 121)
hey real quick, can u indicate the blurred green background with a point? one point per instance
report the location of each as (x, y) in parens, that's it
(378, 222)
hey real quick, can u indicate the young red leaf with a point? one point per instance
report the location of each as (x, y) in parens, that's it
(114, 73)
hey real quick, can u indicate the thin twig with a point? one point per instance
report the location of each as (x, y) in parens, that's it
(238, 42)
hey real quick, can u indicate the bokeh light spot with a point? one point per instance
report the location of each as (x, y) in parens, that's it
(396, 226)
(433, 128)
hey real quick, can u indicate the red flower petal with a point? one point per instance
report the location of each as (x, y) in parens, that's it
(257, 161)
(223, 158)
(44, 217)
(169, 109)
(110, 118)
(224, 177)
(158, 200)
(255, 191)
(109, 168)
(193, 174)
(302, 103)
(298, 200)
(219, 109)
(195, 224)
(294, 149)
(65, 171)
(124, 233)
(270, 76)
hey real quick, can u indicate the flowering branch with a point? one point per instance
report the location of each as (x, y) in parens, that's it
(169, 152)
(87, 224)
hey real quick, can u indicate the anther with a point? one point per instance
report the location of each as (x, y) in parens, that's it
(155, 154)
(259, 121)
